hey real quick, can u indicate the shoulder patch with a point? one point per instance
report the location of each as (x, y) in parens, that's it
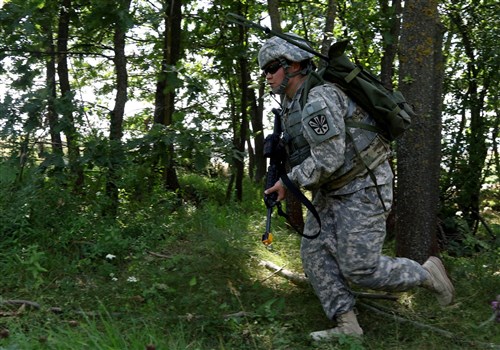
(319, 124)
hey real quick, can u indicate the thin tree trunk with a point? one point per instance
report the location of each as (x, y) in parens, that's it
(55, 135)
(469, 193)
(117, 114)
(392, 16)
(66, 94)
(274, 14)
(257, 115)
(241, 126)
(293, 205)
(331, 13)
(165, 95)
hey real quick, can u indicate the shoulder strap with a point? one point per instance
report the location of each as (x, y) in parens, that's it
(313, 79)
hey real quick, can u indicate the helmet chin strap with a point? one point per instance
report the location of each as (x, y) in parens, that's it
(284, 63)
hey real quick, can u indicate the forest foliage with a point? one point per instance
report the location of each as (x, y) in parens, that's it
(70, 107)
(125, 123)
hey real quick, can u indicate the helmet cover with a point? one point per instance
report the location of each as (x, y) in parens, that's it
(277, 47)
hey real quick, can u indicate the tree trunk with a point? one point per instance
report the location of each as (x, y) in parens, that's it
(293, 205)
(53, 119)
(165, 94)
(331, 13)
(274, 14)
(67, 96)
(469, 192)
(241, 127)
(421, 72)
(116, 115)
(257, 115)
(391, 39)
(390, 34)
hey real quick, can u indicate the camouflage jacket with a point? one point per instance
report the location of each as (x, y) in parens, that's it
(321, 153)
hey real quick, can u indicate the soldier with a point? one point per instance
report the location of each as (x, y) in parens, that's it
(353, 205)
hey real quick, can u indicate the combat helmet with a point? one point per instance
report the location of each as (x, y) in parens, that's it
(276, 48)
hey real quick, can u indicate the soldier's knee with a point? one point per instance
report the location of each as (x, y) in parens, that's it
(363, 276)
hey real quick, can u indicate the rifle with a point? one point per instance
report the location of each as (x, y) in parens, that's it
(274, 149)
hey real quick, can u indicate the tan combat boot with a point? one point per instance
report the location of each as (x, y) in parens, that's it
(438, 282)
(346, 324)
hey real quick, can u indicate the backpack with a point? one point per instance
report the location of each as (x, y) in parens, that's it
(388, 107)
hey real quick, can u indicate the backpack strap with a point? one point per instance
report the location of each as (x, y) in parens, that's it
(313, 79)
(369, 127)
(351, 108)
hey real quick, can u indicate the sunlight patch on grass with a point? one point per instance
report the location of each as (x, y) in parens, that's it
(407, 300)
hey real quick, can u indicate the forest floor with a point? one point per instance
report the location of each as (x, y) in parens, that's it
(200, 283)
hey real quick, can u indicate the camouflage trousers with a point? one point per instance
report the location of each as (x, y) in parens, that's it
(349, 249)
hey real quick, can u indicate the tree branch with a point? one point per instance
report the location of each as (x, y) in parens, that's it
(300, 280)
(379, 310)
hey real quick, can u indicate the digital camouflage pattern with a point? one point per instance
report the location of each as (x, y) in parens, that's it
(277, 47)
(314, 124)
(349, 248)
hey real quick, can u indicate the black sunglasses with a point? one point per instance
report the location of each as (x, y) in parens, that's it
(272, 68)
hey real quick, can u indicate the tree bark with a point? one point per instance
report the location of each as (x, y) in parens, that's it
(419, 150)
(53, 119)
(64, 85)
(117, 114)
(165, 94)
(293, 205)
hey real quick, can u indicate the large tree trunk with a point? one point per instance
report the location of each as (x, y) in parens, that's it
(421, 72)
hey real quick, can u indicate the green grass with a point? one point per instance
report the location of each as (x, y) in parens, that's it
(190, 278)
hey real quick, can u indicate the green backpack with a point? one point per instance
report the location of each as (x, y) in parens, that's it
(389, 108)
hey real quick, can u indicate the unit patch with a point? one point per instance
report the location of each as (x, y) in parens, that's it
(319, 125)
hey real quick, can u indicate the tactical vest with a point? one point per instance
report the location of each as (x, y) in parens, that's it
(364, 148)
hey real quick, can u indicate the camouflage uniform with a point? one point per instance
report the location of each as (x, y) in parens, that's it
(349, 248)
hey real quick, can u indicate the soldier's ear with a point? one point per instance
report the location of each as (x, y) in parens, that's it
(295, 67)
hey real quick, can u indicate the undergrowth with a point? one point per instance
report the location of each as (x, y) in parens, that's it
(187, 274)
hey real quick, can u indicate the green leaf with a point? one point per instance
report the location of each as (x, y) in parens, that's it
(193, 282)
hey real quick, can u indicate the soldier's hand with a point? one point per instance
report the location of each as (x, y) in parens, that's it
(279, 189)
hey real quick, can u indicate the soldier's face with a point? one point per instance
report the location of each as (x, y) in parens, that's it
(274, 74)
